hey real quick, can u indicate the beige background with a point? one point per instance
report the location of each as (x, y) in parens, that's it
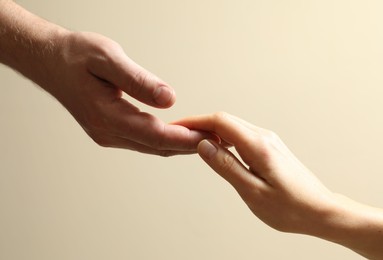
(309, 70)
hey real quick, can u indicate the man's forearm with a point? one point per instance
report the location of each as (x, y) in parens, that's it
(27, 42)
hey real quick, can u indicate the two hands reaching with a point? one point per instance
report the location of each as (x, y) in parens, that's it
(88, 73)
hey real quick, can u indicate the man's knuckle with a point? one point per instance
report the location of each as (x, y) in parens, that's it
(139, 82)
(159, 141)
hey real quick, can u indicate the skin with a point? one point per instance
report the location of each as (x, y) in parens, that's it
(281, 191)
(88, 74)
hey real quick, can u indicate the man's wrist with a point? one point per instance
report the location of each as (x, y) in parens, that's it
(28, 43)
(49, 47)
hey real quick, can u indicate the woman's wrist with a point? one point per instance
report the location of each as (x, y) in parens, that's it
(356, 226)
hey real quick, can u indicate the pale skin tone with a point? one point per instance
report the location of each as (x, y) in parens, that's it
(281, 191)
(88, 74)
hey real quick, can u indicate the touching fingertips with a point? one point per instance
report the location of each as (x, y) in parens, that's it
(164, 96)
(207, 149)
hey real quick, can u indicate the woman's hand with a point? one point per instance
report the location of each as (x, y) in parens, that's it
(278, 188)
(281, 191)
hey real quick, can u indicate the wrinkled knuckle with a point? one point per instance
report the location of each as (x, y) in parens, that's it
(157, 141)
(227, 163)
(139, 82)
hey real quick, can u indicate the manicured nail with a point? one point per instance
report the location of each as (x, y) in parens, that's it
(163, 96)
(207, 149)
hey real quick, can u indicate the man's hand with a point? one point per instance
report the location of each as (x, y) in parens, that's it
(88, 73)
(89, 77)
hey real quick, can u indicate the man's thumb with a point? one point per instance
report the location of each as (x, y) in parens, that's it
(147, 88)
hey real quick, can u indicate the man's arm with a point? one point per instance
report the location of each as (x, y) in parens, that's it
(281, 191)
(27, 43)
(87, 73)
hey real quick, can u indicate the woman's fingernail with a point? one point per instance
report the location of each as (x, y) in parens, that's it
(163, 96)
(207, 149)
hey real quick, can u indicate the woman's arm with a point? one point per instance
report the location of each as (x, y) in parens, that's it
(281, 191)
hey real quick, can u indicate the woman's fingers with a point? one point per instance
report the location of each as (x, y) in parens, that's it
(252, 143)
(228, 166)
(222, 124)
